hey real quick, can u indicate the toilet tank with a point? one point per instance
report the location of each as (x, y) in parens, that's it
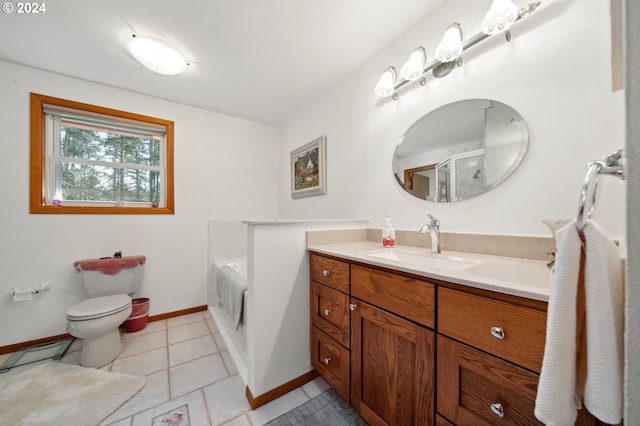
(104, 277)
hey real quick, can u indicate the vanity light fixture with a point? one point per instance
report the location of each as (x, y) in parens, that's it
(413, 68)
(386, 84)
(450, 47)
(499, 18)
(157, 55)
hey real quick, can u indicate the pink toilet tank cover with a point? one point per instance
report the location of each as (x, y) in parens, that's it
(112, 265)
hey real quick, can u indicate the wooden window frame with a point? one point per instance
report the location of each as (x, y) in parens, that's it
(38, 158)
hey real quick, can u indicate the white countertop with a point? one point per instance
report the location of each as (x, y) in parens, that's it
(508, 275)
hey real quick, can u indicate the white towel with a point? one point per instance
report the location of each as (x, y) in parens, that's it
(560, 390)
(604, 292)
(230, 288)
(556, 399)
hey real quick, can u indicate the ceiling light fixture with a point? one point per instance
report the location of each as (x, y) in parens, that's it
(157, 55)
(499, 18)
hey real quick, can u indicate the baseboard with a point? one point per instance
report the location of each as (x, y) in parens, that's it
(275, 393)
(17, 346)
(177, 313)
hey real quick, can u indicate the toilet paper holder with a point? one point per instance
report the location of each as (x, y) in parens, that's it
(30, 291)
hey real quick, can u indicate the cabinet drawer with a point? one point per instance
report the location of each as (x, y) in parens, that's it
(512, 332)
(475, 388)
(331, 272)
(331, 361)
(410, 298)
(330, 312)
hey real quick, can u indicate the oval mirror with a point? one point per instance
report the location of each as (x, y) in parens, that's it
(460, 150)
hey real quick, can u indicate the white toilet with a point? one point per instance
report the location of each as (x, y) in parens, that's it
(96, 320)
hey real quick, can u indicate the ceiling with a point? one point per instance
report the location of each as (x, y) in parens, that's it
(261, 60)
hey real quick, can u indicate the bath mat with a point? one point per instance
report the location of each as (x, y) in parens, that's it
(64, 394)
(326, 409)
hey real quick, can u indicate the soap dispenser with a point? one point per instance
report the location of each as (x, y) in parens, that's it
(388, 234)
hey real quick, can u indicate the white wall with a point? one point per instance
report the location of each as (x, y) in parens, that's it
(225, 168)
(555, 72)
(278, 329)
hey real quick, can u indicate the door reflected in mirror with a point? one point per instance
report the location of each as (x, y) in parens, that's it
(460, 150)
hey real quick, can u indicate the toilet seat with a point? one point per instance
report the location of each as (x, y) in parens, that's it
(98, 307)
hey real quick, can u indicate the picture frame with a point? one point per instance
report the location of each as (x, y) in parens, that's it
(308, 169)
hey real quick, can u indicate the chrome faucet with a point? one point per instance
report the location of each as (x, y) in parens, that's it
(434, 229)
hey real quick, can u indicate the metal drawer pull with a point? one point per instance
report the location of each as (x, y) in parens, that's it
(497, 332)
(327, 312)
(353, 306)
(327, 361)
(497, 410)
(325, 272)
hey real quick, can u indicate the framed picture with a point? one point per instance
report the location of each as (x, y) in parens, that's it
(308, 169)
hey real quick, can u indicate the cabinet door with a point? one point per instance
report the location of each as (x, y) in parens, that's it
(392, 368)
(476, 389)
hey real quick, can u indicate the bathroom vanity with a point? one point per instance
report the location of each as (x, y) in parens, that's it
(409, 343)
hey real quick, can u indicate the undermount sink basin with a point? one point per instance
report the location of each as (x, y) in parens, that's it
(425, 259)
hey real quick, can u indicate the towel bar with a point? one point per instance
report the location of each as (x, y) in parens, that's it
(611, 165)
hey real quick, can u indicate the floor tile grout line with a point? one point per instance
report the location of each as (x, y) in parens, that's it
(206, 406)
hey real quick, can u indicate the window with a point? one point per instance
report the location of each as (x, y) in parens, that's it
(89, 159)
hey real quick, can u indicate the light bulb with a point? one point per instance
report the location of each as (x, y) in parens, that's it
(414, 67)
(450, 47)
(157, 55)
(500, 17)
(385, 86)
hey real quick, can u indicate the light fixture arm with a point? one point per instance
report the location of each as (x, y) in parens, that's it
(470, 42)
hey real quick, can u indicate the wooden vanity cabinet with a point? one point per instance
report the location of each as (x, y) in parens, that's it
(374, 340)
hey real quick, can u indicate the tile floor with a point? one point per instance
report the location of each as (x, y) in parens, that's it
(190, 377)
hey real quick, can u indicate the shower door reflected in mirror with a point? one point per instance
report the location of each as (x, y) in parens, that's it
(470, 176)
(460, 150)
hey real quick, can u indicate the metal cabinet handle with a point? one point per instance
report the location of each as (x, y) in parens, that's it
(497, 409)
(327, 312)
(497, 332)
(327, 361)
(353, 306)
(325, 272)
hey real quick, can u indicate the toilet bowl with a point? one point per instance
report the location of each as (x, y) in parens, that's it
(96, 320)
